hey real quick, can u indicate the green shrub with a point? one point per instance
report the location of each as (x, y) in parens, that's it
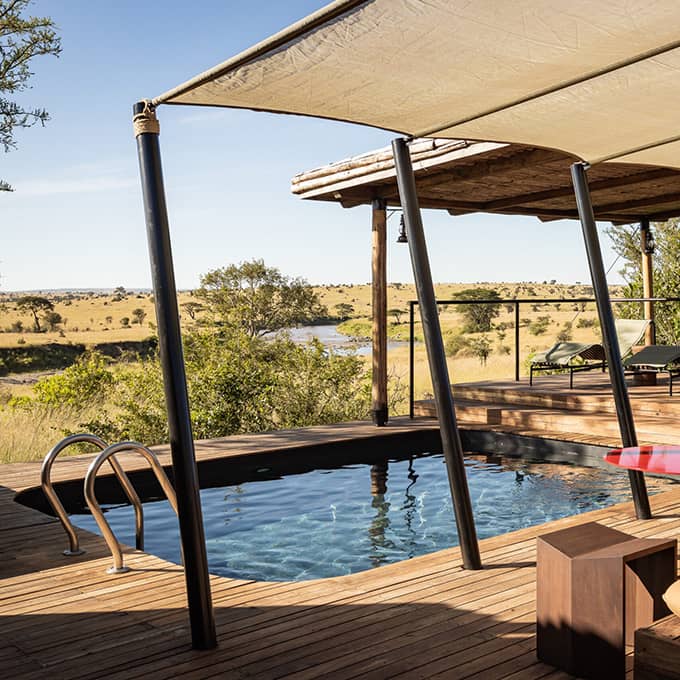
(87, 380)
(539, 326)
(565, 333)
(586, 323)
(239, 384)
(456, 343)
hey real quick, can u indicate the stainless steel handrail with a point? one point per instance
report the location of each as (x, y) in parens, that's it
(60, 512)
(118, 564)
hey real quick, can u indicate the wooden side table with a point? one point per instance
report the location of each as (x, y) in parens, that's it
(594, 587)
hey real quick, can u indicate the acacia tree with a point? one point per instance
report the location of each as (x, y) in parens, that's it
(35, 304)
(396, 313)
(139, 315)
(21, 39)
(344, 310)
(478, 317)
(259, 299)
(192, 308)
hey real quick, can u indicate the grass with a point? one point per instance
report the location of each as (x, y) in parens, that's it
(29, 435)
(88, 319)
(94, 318)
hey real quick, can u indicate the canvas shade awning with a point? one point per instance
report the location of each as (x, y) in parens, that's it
(512, 179)
(598, 80)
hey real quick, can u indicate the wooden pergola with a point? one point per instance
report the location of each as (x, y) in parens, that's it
(511, 179)
(464, 177)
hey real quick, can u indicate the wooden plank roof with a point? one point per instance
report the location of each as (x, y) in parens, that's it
(468, 177)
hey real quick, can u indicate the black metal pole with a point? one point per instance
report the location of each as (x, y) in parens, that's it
(624, 412)
(451, 444)
(201, 615)
(411, 359)
(516, 341)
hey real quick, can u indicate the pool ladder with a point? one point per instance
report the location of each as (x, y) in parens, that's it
(107, 454)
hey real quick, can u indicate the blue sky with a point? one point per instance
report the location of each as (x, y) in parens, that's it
(76, 219)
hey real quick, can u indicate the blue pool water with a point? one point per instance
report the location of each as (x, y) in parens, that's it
(332, 522)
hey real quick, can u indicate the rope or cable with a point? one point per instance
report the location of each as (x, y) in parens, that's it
(611, 266)
(146, 121)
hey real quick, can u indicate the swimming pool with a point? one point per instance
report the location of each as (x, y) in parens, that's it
(332, 522)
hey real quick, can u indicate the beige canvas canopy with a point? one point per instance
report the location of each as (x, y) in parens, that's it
(599, 80)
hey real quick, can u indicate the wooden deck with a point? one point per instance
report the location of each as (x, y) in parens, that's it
(550, 409)
(423, 618)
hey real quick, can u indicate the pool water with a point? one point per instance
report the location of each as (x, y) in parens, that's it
(332, 522)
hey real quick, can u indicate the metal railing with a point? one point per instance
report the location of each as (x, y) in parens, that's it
(110, 538)
(516, 302)
(53, 499)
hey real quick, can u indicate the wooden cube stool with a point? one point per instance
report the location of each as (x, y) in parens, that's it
(594, 587)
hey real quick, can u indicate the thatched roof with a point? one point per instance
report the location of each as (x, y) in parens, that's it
(467, 177)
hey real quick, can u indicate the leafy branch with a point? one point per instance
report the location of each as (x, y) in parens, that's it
(21, 39)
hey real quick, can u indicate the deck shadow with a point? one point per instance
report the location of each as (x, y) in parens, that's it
(375, 640)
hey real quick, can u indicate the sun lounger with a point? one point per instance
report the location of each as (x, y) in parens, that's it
(630, 333)
(563, 356)
(576, 357)
(656, 359)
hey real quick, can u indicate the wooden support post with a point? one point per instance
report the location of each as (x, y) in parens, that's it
(379, 305)
(647, 249)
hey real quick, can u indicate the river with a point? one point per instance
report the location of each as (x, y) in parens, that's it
(330, 337)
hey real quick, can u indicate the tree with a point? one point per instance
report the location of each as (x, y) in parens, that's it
(344, 310)
(481, 348)
(21, 39)
(119, 293)
(666, 270)
(478, 317)
(52, 319)
(259, 299)
(35, 304)
(396, 313)
(192, 308)
(139, 315)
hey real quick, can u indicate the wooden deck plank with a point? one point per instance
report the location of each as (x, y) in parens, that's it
(425, 617)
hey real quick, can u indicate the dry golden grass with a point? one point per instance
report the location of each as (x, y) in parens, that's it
(89, 320)
(29, 435)
(95, 318)
(398, 295)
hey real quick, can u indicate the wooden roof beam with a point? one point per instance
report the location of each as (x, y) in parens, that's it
(547, 215)
(601, 185)
(492, 166)
(650, 201)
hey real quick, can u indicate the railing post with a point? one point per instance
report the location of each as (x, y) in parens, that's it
(411, 359)
(451, 443)
(516, 341)
(611, 346)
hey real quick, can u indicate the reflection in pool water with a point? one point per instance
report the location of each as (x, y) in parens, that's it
(332, 522)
